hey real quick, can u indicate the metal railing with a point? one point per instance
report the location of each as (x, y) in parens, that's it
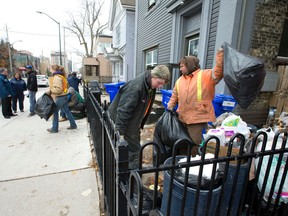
(230, 189)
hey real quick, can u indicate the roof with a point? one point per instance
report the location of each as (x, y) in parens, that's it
(128, 2)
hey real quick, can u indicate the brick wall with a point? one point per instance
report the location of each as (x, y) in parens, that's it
(267, 30)
(264, 44)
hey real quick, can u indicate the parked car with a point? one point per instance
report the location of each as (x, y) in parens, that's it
(42, 80)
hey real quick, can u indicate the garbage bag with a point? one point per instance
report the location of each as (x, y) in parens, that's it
(243, 74)
(168, 130)
(205, 182)
(45, 106)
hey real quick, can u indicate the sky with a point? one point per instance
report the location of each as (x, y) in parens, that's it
(39, 34)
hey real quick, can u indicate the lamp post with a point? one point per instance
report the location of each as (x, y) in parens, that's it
(59, 33)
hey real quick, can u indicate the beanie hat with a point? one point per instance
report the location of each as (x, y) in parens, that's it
(161, 72)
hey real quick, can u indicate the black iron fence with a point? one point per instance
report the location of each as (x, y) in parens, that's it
(250, 180)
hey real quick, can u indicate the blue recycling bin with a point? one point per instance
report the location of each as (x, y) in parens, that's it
(223, 103)
(166, 95)
(112, 89)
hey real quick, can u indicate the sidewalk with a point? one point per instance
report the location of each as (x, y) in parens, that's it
(46, 174)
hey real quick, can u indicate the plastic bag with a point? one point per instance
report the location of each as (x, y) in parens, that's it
(243, 74)
(168, 130)
(194, 171)
(45, 106)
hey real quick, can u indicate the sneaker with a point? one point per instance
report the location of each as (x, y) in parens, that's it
(7, 117)
(31, 114)
(71, 128)
(13, 115)
(62, 119)
(15, 111)
(51, 131)
(21, 110)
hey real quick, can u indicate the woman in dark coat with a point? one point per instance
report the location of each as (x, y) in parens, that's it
(18, 86)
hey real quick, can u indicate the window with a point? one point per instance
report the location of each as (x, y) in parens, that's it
(192, 45)
(88, 70)
(103, 45)
(151, 57)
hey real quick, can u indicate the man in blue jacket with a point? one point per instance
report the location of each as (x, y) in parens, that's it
(5, 94)
(74, 81)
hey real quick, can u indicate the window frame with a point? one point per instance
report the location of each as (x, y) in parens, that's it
(190, 40)
(154, 57)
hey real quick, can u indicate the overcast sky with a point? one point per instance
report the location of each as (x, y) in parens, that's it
(39, 33)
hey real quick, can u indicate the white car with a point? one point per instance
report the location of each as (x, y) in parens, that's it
(42, 80)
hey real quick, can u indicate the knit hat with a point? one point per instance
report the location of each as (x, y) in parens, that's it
(161, 72)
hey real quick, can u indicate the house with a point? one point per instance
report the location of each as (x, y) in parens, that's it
(98, 68)
(168, 30)
(122, 25)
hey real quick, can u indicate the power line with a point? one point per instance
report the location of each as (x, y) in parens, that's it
(36, 34)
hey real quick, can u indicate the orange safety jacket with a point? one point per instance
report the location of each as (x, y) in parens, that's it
(194, 94)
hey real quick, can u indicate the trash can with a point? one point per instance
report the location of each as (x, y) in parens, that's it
(177, 195)
(95, 89)
(239, 189)
(223, 103)
(112, 89)
(166, 95)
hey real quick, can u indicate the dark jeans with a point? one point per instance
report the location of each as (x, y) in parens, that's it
(20, 99)
(134, 149)
(6, 106)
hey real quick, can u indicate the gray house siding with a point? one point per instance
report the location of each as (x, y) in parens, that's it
(153, 30)
(212, 34)
(168, 31)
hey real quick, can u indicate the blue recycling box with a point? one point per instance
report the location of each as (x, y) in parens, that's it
(112, 89)
(166, 95)
(223, 103)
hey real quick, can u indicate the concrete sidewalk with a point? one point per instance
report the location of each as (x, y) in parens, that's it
(46, 174)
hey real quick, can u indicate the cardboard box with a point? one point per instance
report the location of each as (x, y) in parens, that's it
(211, 147)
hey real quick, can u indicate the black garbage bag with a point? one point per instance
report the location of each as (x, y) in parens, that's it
(45, 106)
(243, 74)
(168, 130)
(205, 183)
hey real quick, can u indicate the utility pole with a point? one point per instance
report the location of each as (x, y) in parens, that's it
(59, 33)
(9, 51)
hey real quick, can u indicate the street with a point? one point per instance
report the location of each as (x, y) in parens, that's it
(46, 174)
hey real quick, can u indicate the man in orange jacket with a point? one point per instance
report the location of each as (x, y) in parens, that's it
(194, 92)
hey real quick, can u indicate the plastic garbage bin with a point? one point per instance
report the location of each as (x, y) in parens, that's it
(239, 189)
(112, 89)
(177, 195)
(95, 89)
(223, 103)
(166, 95)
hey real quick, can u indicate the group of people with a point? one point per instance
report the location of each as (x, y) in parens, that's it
(13, 91)
(193, 93)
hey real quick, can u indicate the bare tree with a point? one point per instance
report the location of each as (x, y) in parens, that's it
(86, 26)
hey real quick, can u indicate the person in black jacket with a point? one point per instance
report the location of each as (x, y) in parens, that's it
(18, 86)
(132, 105)
(32, 88)
(5, 94)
